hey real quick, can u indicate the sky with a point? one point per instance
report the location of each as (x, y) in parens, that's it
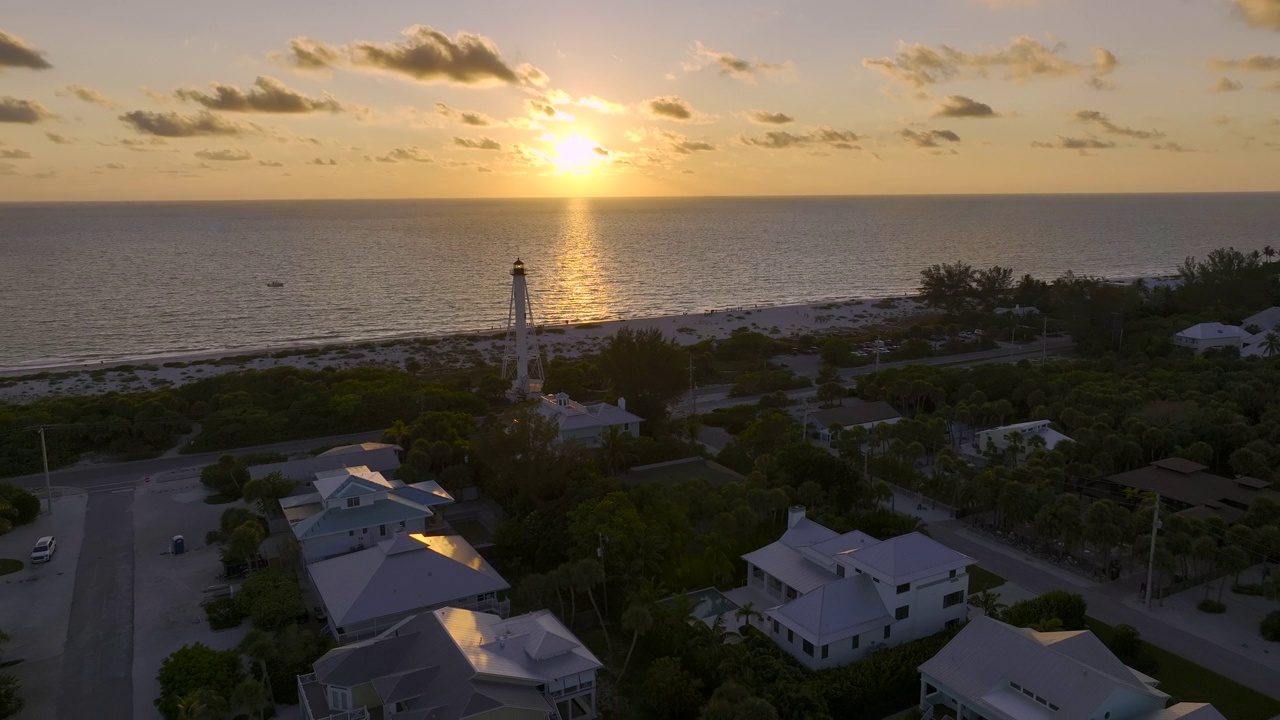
(148, 100)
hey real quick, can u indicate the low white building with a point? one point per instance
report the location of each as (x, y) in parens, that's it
(994, 671)
(353, 508)
(1204, 336)
(831, 599)
(586, 423)
(858, 413)
(366, 592)
(999, 437)
(378, 457)
(1017, 310)
(452, 664)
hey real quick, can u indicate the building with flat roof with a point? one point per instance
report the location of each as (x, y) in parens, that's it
(586, 423)
(366, 592)
(1185, 486)
(352, 508)
(378, 457)
(451, 664)
(994, 671)
(998, 438)
(831, 599)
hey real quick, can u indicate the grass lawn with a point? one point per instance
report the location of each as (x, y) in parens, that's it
(982, 579)
(1188, 682)
(9, 565)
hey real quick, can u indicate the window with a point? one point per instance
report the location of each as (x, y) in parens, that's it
(1014, 685)
(953, 573)
(353, 502)
(1053, 707)
(338, 699)
(808, 648)
(904, 587)
(757, 573)
(351, 533)
(954, 598)
(902, 613)
(887, 630)
(791, 636)
(382, 530)
(775, 626)
(840, 570)
(929, 689)
(856, 638)
(824, 651)
(791, 593)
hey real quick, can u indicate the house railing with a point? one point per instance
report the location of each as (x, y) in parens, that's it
(554, 714)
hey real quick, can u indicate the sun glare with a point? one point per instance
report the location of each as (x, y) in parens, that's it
(578, 154)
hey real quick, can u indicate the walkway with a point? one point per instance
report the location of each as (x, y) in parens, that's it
(1040, 577)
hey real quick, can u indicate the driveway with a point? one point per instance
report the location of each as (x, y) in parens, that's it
(97, 677)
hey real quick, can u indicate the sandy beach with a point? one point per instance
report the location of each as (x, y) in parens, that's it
(449, 351)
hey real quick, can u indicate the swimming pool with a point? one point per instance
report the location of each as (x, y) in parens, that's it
(711, 602)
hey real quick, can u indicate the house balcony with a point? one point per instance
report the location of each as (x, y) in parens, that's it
(315, 703)
(937, 706)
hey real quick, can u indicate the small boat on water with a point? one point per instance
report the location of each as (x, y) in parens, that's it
(275, 283)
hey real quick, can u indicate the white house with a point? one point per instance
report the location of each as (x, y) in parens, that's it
(999, 437)
(586, 423)
(366, 592)
(451, 664)
(831, 599)
(994, 671)
(1016, 310)
(1199, 338)
(354, 507)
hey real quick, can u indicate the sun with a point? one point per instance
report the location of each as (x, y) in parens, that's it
(578, 154)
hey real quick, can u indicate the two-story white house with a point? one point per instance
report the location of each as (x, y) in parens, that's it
(994, 671)
(368, 591)
(354, 508)
(998, 438)
(451, 664)
(1204, 336)
(831, 599)
(586, 423)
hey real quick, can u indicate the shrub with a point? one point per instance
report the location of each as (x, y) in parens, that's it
(272, 598)
(1270, 627)
(1041, 612)
(1126, 643)
(1211, 606)
(233, 518)
(192, 668)
(224, 613)
(11, 701)
(26, 504)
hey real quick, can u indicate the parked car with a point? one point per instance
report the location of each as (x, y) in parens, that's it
(45, 547)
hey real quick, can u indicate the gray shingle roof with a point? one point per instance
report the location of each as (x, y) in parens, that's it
(856, 413)
(1072, 670)
(405, 573)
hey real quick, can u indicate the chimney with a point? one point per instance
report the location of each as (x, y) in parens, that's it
(795, 514)
(622, 403)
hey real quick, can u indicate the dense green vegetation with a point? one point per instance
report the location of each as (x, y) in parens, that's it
(11, 700)
(17, 507)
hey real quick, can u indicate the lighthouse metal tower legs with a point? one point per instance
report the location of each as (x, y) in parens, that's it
(522, 361)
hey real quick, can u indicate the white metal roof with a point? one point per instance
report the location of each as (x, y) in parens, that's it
(350, 481)
(535, 647)
(1072, 670)
(835, 611)
(1213, 330)
(1268, 319)
(576, 416)
(407, 572)
(908, 558)
(789, 566)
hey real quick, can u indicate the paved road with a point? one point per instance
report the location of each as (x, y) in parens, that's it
(97, 671)
(1105, 607)
(113, 476)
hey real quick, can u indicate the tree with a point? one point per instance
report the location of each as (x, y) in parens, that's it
(670, 692)
(11, 701)
(272, 598)
(192, 669)
(243, 544)
(832, 393)
(1056, 608)
(1232, 561)
(949, 287)
(1271, 344)
(647, 369)
(251, 696)
(25, 504)
(637, 620)
(1268, 252)
(988, 602)
(267, 490)
(586, 574)
(732, 701)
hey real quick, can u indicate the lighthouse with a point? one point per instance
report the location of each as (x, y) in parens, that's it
(522, 362)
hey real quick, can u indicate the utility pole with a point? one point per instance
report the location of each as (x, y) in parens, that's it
(48, 491)
(877, 352)
(604, 583)
(1044, 341)
(1151, 560)
(693, 399)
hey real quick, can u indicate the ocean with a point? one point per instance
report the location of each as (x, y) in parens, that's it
(90, 282)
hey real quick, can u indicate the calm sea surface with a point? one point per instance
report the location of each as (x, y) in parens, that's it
(90, 282)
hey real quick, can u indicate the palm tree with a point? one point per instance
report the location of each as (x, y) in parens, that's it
(748, 613)
(1268, 252)
(586, 574)
(203, 704)
(988, 602)
(880, 491)
(260, 647)
(638, 620)
(1271, 344)
(251, 696)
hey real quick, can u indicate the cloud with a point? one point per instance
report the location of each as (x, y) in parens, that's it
(687, 147)
(140, 145)
(928, 138)
(764, 117)
(1253, 63)
(483, 143)
(225, 155)
(959, 106)
(267, 95)
(409, 154)
(271, 163)
(1260, 13)
(59, 139)
(543, 109)
(172, 124)
(601, 105)
(1226, 84)
(425, 54)
(14, 110)
(1100, 120)
(731, 65)
(781, 140)
(322, 161)
(87, 94)
(1071, 143)
(465, 117)
(15, 154)
(670, 107)
(114, 166)
(1171, 147)
(1022, 60)
(17, 54)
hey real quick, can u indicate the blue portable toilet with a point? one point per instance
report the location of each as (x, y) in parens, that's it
(179, 545)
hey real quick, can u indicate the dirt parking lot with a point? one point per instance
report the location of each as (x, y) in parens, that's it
(35, 602)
